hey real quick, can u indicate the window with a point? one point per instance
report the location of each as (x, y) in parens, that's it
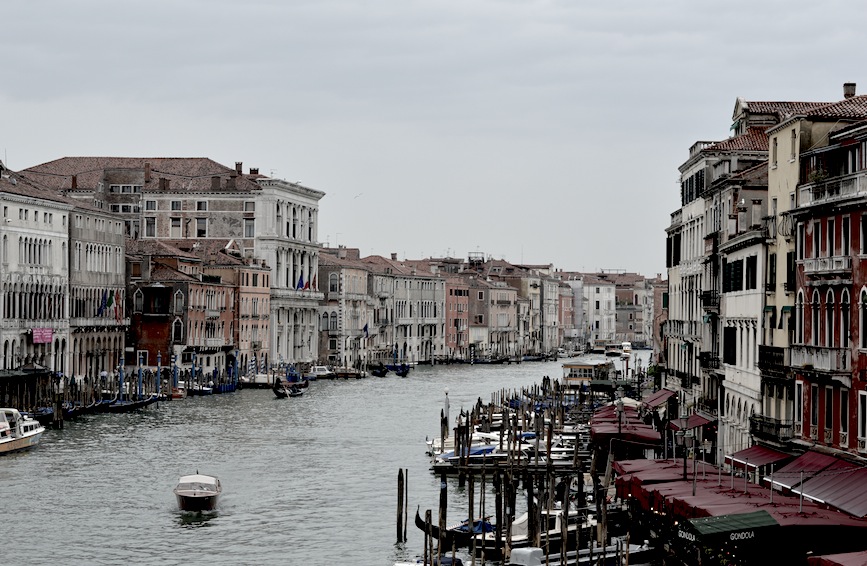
(844, 236)
(844, 319)
(799, 319)
(176, 228)
(177, 331)
(179, 302)
(862, 249)
(333, 286)
(201, 227)
(817, 238)
(774, 153)
(844, 410)
(249, 228)
(829, 408)
(249, 206)
(799, 401)
(150, 205)
(481, 295)
(862, 322)
(751, 270)
(176, 205)
(150, 227)
(829, 319)
(794, 146)
(138, 301)
(772, 270)
(832, 244)
(862, 416)
(799, 244)
(814, 405)
(814, 318)
(730, 345)
(202, 205)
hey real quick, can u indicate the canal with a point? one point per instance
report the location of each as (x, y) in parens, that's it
(308, 481)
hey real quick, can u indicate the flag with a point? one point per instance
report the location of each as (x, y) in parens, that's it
(307, 286)
(102, 304)
(366, 334)
(300, 283)
(314, 283)
(118, 306)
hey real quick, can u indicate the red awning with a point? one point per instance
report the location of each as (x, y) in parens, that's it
(658, 398)
(846, 559)
(756, 457)
(808, 463)
(693, 421)
(842, 485)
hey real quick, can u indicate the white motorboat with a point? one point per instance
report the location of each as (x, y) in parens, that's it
(198, 492)
(319, 372)
(17, 431)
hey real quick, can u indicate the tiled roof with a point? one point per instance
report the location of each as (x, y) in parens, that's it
(185, 174)
(157, 248)
(782, 108)
(855, 107)
(754, 139)
(15, 184)
(211, 251)
(161, 272)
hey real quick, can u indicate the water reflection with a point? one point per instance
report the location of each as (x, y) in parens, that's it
(196, 519)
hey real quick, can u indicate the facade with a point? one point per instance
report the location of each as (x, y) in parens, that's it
(34, 254)
(457, 318)
(346, 318)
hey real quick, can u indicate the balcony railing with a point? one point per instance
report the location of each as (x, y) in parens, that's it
(844, 439)
(708, 360)
(710, 300)
(836, 189)
(773, 359)
(820, 358)
(814, 432)
(827, 265)
(770, 429)
(828, 436)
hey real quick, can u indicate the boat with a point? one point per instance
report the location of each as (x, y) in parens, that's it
(128, 406)
(17, 431)
(379, 371)
(320, 372)
(611, 555)
(348, 373)
(553, 519)
(198, 492)
(579, 372)
(457, 536)
(402, 370)
(295, 392)
(280, 392)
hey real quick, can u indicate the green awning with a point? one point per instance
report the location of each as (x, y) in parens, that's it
(754, 527)
(769, 308)
(786, 308)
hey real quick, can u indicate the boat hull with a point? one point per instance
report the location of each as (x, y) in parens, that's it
(18, 444)
(197, 502)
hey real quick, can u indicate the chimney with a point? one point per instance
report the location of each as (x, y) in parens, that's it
(239, 167)
(147, 172)
(215, 182)
(393, 256)
(254, 170)
(74, 182)
(848, 90)
(341, 252)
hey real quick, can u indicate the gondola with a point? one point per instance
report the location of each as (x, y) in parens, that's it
(129, 406)
(457, 536)
(379, 371)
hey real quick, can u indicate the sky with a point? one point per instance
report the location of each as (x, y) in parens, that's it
(539, 132)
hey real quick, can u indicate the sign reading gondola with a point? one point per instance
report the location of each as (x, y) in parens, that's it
(42, 335)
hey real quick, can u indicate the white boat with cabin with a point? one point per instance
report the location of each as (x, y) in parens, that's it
(17, 431)
(198, 492)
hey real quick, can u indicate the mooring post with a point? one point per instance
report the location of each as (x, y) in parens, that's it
(400, 506)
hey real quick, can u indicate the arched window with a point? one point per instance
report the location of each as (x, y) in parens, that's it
(814, 318)
(845, 314)
(829, 319)
(332, 283)
(862, 322)
(333, 325)
(323, 324)
(799, 318)
(179, 301)
(177, 330)
(138, 301)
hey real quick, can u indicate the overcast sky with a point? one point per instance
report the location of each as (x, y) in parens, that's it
(532, 131)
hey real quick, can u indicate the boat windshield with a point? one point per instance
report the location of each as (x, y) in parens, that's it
(196, 486)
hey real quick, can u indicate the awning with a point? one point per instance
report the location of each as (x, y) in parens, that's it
(756, 457)
(842, 485)
(845, 559)
(693, 421)
(785, 309)
(801, 469)
(753, 527)
(658, 398)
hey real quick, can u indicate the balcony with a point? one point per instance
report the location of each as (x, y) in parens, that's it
(836, 265)
(767, 428)
(214, 342)
(835, 190)
(708, 360)
(212, 313)
(710, 300)
(833, 361)
(773, 360)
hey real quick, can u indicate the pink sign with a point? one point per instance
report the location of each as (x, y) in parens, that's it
(42, 335)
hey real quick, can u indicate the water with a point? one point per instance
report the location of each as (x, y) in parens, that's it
(310, 480)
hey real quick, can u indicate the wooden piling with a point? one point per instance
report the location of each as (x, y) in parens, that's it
(400, 507)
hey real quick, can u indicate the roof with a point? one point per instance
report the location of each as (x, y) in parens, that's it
(842, 485)
(742, 526)
(754, 139)
(154, 247)
(844, 559)
(756, 456)
(185, 174)
(693, 421)
(855, 107)
(658, 398)
(808, 464)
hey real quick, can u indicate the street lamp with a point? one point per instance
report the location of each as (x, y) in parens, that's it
(680, 438)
